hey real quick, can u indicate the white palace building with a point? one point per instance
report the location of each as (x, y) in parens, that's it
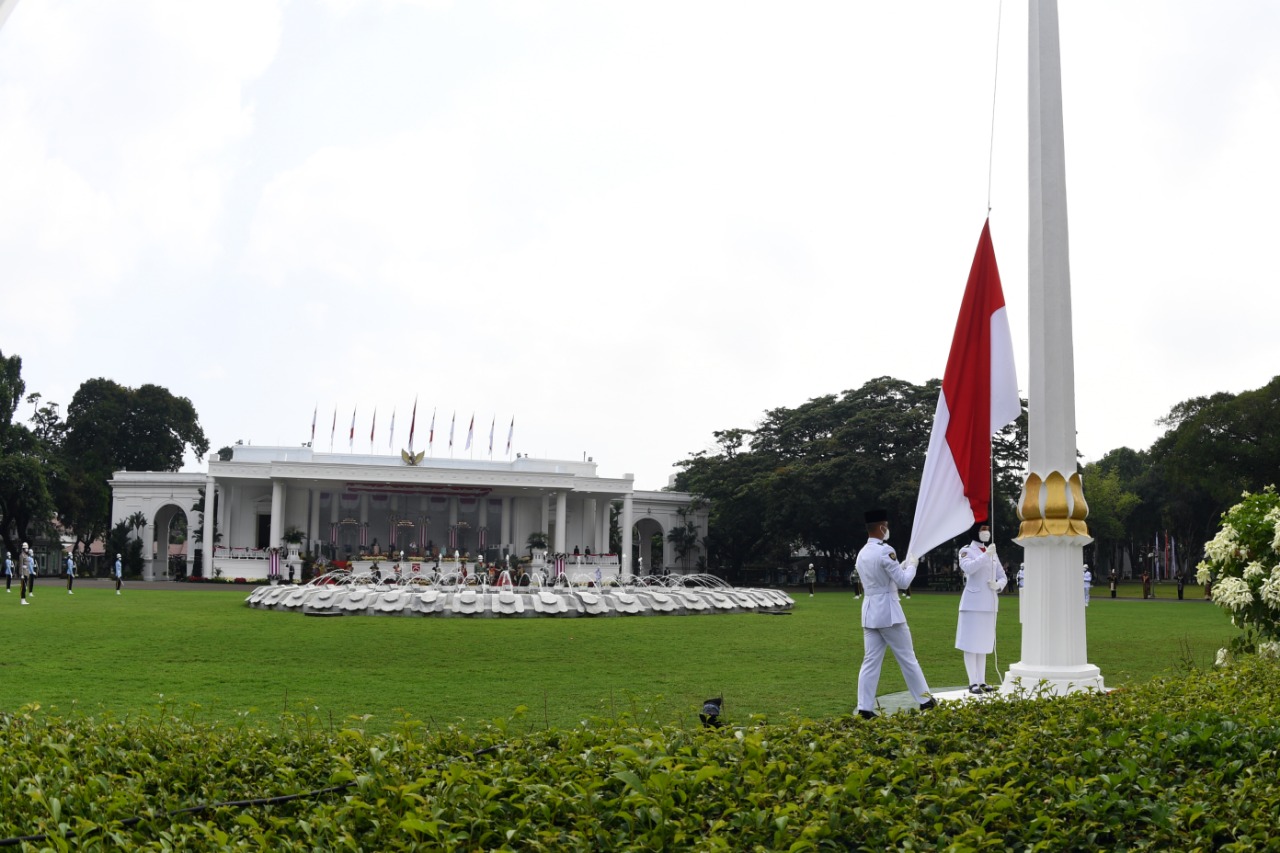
(348, 506)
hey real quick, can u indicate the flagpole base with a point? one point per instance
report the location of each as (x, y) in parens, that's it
(1036, 680)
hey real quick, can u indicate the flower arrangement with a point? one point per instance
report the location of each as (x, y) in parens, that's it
(1243, 564)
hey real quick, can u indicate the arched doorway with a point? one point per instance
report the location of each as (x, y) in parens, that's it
(174, 553)
(648, 543)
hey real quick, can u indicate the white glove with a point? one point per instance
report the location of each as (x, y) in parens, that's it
(996, 585)
(911, 562)
(991, 552)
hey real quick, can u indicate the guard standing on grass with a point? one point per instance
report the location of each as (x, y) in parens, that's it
(810, 577)
(118, 573)
(30, 560)
(884, 624)
(8, 571)
(71, 572)
(984, 577)
(24, 573)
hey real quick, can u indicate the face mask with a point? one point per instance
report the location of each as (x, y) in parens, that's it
(885, 537)
(984, 535)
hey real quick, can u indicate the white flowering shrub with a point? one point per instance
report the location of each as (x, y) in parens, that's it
(1243, 563)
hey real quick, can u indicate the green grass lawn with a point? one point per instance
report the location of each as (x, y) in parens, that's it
(206, 653)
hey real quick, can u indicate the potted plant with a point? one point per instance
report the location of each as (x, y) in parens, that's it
(293, 538)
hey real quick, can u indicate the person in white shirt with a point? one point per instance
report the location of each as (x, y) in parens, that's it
(884, 624)
(984, 577)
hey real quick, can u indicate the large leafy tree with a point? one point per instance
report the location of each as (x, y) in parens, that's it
(804, 476)
(1216, 447)
(111, 428)
(27, 464)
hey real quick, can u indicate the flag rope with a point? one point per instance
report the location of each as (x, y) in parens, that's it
(991, 148)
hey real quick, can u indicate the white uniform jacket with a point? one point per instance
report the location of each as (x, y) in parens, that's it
(882, 577)
(979, 567)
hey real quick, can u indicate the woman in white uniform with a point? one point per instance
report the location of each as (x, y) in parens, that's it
(984, 577)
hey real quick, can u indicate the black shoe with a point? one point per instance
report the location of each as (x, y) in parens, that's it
(976, 689)
(867, 715)
(930, 704)
(987, 688)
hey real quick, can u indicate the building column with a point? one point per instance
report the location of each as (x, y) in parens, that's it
(207, 522)
(588, 524)
(314, 538)
(482, 520)
(335, 507)
(506, 522)
(277, 514)
(561, 511)
(604, 509)
(624, 526)
(668, 555)
(223, 513)
(546, 515)
(148, 536)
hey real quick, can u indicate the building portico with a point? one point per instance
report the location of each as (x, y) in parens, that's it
(345, 505)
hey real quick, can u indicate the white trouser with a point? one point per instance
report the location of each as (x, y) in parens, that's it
(898, 638)
(975, 663)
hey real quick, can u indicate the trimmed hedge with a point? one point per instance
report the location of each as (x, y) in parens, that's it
(1186, 763)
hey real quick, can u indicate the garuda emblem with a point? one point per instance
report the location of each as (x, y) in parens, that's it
(412, 458)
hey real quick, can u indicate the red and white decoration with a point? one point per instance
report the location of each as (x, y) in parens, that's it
(979, 398)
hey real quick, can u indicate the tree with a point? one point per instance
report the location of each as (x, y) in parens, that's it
(684, 536)
(111, 428)
(27, 466)
(804, 476)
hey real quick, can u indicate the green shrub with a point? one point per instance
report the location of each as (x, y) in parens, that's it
(1185, 763)
(1243, 563)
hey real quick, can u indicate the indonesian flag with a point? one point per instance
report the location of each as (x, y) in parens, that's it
(413, 421)
(431, 436)
(492, 424)
(511, 430)
(979, 397)
(391, 438)
(471, 429)
(351, 439)
(333, 430)
(373, 425)
(314, 412)
(451, 425)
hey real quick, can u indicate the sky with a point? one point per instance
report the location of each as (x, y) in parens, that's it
(624, 225)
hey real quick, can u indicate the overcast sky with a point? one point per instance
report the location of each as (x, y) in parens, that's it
(624, 225)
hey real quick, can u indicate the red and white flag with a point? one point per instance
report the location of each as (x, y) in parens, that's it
(452, 423)
(333, 430)
(471, 429)
(391, 438)
(979, 397)
(413, 420)
(373, 425)
(511, 430)
(314, 412)
(351, 439)
(431, 436)
(492, 423)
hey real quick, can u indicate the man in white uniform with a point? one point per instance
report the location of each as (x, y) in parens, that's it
(883, 622)
(984, 577)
